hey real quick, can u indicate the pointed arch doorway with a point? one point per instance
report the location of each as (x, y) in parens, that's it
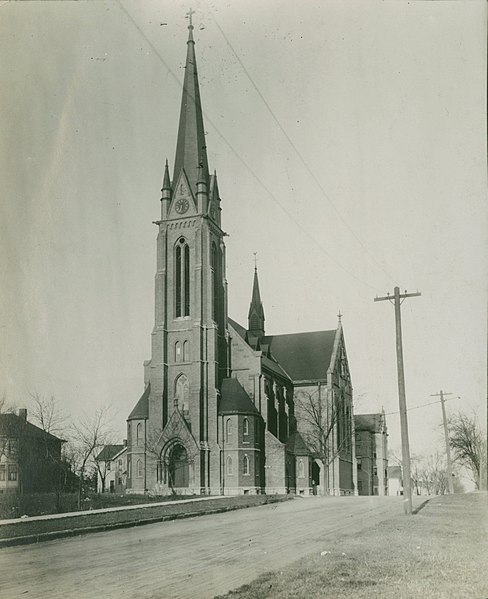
(178, 467)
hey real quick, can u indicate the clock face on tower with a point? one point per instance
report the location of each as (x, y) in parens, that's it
(182, 205)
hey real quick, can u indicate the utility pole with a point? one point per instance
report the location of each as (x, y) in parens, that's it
(407, 480)
(450, 483)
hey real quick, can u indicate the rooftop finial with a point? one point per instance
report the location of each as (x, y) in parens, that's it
(189, 15)
(255, 261)
(339, 316)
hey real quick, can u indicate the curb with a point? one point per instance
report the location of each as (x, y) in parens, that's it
(75, 532)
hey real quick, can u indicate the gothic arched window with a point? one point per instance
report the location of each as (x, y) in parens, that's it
(182, 279)
(177, 351)
(186, 351)
(139, 469)
(245, 426)
(245, 467)
(139, 434)
(228, 429)
(229, 465)
(301, 469)
(215, 280)
(182, 393)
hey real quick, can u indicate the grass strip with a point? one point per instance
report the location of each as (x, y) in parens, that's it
(439, 553)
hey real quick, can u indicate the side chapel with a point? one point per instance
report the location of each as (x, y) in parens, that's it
(226, 409)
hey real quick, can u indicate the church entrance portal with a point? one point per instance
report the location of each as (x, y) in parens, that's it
(178, 467)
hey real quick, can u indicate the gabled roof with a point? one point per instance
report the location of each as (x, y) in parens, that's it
(109, 452)
(373, 423)
(297, 445)
(234, 400)
(239, 329)
(12, 425)
(141, 410)
(304, 356)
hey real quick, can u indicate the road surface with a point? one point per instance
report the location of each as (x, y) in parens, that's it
(196, 558)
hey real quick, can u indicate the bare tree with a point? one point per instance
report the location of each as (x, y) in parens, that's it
(88, 436)
(47, 414)
(467, 442)
(320, 416)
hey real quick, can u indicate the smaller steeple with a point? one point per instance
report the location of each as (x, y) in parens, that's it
(165, 193)
(256, 310)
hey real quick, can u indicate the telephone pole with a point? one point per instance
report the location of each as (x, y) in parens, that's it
(450, 482)
(396, 299)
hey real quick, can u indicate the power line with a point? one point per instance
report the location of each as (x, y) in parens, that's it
(431, 403)
(243, 162)
(299, 154)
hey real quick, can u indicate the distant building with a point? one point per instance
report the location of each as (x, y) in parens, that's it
(224, 405)
(371, 439)
(395, 482)
(112, 469)
(30, 458)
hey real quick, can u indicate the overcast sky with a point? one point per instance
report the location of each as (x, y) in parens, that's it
(349, 139)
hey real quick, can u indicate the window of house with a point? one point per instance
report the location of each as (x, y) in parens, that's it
(359, 463)
(120, 463)
(375, 471)
(228, 429)
(109, 466)
(186, 351)
(245, 468)
(139, 469)
(245, 427)
(182, 279)
(2, 471)
(12, 472)
(229, 465)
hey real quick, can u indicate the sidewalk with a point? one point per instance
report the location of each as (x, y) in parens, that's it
(105, 510)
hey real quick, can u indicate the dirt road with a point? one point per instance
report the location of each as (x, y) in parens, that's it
(197, 558)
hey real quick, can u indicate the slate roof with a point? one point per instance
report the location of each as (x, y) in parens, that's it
(234, 400)
(297, 445)
(12, 425)
(369, 422)
(239, 328)
(304, 356)
(109, 452)
(141, 410)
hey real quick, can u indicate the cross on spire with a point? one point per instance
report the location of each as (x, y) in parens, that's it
(339, 316)
(189, 15)
(255, 260)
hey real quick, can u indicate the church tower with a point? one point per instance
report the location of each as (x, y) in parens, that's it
(189, 356)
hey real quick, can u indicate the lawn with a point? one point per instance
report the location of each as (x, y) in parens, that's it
(441, 552)
(135, 516)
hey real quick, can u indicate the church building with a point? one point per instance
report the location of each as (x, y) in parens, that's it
(228, 409)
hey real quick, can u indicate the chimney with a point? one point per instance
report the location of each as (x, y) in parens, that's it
(125, 442)
(23, 413)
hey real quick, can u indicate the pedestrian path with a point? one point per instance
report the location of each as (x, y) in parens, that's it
(107, 509)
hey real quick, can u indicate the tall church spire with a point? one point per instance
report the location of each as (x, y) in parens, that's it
(191, 152)
(256, 310)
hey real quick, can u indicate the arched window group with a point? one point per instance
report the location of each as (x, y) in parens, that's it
(182, 393)
(182, 279)
(182, 351)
